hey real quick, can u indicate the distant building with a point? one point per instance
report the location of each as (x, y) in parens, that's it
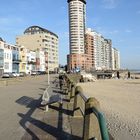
(40, 60)
(77, 61)
(36, 37)
(9, 58)
(99, 50)
(15, 59)
(23, 52)
(115, 59)
(89, 49)
(7, 63)
(108, 53)
(31, 61)
(76, 34)
(1, 56)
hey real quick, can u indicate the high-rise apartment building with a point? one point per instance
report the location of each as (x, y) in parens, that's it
(76, 33)
(89, 49)
(98, 49)
(115, 59)
(108, 53)
(36, 37)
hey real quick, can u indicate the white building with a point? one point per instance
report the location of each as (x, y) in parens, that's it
(1, 56)
(115, 59)
(41, 60)
(98, 50)
(102, 51)
(31, 61)
(77, 26)
(15, 58)
(7, 58)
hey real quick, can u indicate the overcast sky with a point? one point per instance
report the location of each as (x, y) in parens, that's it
(118, 20)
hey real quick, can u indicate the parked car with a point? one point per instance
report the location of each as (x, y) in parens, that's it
(18, 74)
(7, 75)
(22, 74)
(33, 73)
(14, 74)
(40, 72)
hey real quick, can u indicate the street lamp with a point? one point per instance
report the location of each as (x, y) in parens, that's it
(48, 70)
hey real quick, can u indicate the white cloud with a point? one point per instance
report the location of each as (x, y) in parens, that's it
(110, 4)
(128, 31)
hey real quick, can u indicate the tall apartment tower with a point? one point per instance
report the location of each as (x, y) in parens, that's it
(77, 12)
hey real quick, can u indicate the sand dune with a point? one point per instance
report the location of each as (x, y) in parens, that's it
(120, 102)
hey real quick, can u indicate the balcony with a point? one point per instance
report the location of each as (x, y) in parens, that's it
(32, 62)
(16, 61)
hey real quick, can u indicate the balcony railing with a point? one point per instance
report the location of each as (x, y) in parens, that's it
(16, 61)
(31, 62)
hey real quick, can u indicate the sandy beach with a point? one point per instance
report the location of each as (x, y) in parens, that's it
(120, 102)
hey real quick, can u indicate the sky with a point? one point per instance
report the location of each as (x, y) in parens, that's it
(118, 20)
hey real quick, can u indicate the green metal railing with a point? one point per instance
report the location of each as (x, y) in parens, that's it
(81, 104)
(102, 124)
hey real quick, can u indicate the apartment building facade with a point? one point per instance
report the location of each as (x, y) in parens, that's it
(99, 50)
(9, 58)
(31, 61)
(89, 49)
(115, 59)
(15, 59)
(1, 56)
(23, 52)
(41, 63)
(36, 37)
(77, 12)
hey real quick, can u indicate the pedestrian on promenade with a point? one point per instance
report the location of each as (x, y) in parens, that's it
(81, 79)
(60, 81)
(118, 75)
(128, 74)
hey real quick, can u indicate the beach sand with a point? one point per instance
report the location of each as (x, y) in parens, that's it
(120, 102)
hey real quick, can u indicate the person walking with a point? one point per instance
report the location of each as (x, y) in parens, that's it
(60, 81)
(128, 74)
(118, 75)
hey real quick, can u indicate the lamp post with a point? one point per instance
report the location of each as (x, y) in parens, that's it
(48, 70)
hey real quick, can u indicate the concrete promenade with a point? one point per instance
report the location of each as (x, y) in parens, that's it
(22, 117)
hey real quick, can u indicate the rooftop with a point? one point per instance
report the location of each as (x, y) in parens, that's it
(37, 29)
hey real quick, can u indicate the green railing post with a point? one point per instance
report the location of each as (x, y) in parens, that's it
(102, 124)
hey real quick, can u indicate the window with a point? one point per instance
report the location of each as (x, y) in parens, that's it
(6, 66)
(7, 56)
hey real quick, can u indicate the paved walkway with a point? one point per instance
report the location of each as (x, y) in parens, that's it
(21, 116)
